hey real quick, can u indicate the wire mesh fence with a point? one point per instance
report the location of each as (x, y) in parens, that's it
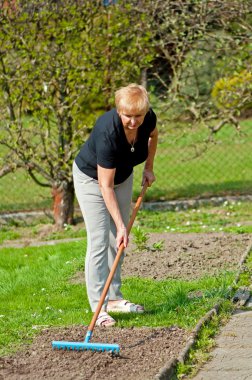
(186, 166)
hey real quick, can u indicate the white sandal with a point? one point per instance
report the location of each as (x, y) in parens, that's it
(105, 320)
(124, 306)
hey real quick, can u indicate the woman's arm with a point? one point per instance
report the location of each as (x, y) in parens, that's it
(106, 182)
(148, 174)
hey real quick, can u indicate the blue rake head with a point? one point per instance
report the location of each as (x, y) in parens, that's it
(82, 346)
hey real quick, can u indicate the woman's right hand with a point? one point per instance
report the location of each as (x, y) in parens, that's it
(122, 237)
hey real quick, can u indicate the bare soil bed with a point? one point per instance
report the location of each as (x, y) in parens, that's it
(186, 256)
(144, 351)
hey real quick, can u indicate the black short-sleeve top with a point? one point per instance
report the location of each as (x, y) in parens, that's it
(107, 146)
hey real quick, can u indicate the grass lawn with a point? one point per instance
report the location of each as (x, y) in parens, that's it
(187, 167)
(234, 216)
(183, 166)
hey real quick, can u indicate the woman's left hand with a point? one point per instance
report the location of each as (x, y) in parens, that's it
(148, 176)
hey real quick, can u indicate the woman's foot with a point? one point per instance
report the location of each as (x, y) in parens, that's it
(124, 306)
(105, 320)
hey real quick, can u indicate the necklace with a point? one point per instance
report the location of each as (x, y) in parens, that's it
(132, 149)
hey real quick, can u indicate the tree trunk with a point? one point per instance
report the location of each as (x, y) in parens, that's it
(63, 204)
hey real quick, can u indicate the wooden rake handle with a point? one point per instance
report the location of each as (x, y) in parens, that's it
(117, 258)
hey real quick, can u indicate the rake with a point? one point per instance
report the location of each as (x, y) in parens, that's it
(86, 345)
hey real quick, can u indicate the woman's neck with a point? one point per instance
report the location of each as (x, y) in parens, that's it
(131, 136)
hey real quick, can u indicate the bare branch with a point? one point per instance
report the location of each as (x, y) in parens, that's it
(10, 168)
(37, 181)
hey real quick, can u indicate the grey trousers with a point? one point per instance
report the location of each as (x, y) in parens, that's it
(101, 234)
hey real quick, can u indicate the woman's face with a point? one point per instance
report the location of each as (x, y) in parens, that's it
(131, 120)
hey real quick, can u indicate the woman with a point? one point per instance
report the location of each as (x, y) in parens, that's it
(103, 176)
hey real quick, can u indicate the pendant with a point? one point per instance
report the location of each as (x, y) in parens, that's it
(132, 149)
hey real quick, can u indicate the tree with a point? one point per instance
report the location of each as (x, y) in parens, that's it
(197, 42)
(60, 62)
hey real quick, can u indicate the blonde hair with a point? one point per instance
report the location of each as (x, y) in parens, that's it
(133, 97)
